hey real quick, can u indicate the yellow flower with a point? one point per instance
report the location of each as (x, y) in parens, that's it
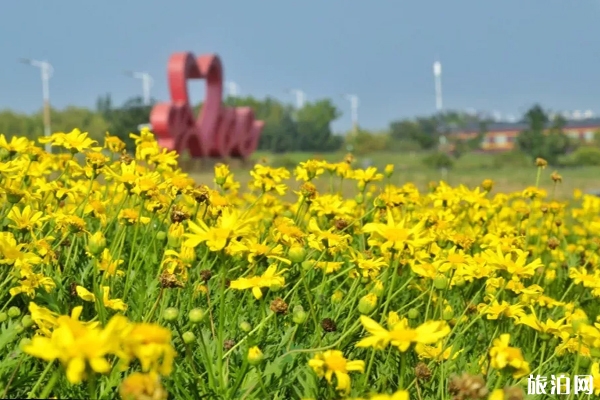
(399, 395)
(76, 345)
(76, 141)
(139, 386)
(26, 219)
(332, 362)
(114, 304)
(84, 294)
(255, 356)
(502, 356)
(270, 279)
(401, 335)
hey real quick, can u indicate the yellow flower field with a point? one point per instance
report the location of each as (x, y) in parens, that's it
(121, 277)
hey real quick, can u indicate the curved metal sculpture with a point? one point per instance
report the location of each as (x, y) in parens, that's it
(218, 131)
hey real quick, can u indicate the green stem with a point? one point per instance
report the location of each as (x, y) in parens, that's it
(39, 381)
(50, 385)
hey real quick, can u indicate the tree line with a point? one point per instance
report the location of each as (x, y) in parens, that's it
(308, 129)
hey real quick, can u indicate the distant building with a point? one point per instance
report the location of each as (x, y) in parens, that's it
(501, 136)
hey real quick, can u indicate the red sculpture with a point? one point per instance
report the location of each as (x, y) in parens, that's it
(217, 131)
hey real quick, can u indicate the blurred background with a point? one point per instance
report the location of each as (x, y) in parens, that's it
(461, 90)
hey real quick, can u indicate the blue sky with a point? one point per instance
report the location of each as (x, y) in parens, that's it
(496, 55)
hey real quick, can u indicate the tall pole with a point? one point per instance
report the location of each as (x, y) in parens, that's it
(437, 73)
(46, 72)
(233, 89)
(147, 83)
(300, 97)
(353, 110)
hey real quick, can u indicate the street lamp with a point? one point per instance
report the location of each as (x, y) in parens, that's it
(46, 70)
(233, 89)
(147, 83)
(354, 110)
(300, 97)
(437, 74)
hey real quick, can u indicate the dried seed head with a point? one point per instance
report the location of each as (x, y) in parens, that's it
(422, 372)
(341, 224)
(126, 159)
(513, 393)
(553, 243)
(228, 344)
(169, 281)
(328, 325)
(467, 386)
(540, 162)
(308, 191)
(178, 215)
(278, 306)
(556, 177)
(201, 194)
(205, 275)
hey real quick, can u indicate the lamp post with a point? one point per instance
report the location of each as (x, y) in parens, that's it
(354, 110)
(147, 83)
(46, 70)
(437, 74)
(233, 89)
(300, 97)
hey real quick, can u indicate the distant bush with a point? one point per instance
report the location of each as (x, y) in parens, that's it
(438, 160)
(403, 145)
(366, 142)
(513, 158)
(285, 162)
(582, 157)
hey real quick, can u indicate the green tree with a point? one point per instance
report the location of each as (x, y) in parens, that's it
(125, 120)
(314, 127)
(535, 142)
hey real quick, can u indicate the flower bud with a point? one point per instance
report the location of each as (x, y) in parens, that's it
(448, 313)
(255, 356)
(361, 185)
(413, 313)
(27, 321)
(308, 264)
(299, 315)
(161, 235)
(359, 198)
(367, 303)
(440, 282)
(175, 235)
(245, 326)
(24, 343)
(337, 296)
(297, 254)
(14, 312)
(96, 243)
(487, 185)
(389, 170)
(171, 314)
(3, 317)
(188, 337)
(19, 327)
(196, 315)
(377, 288)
